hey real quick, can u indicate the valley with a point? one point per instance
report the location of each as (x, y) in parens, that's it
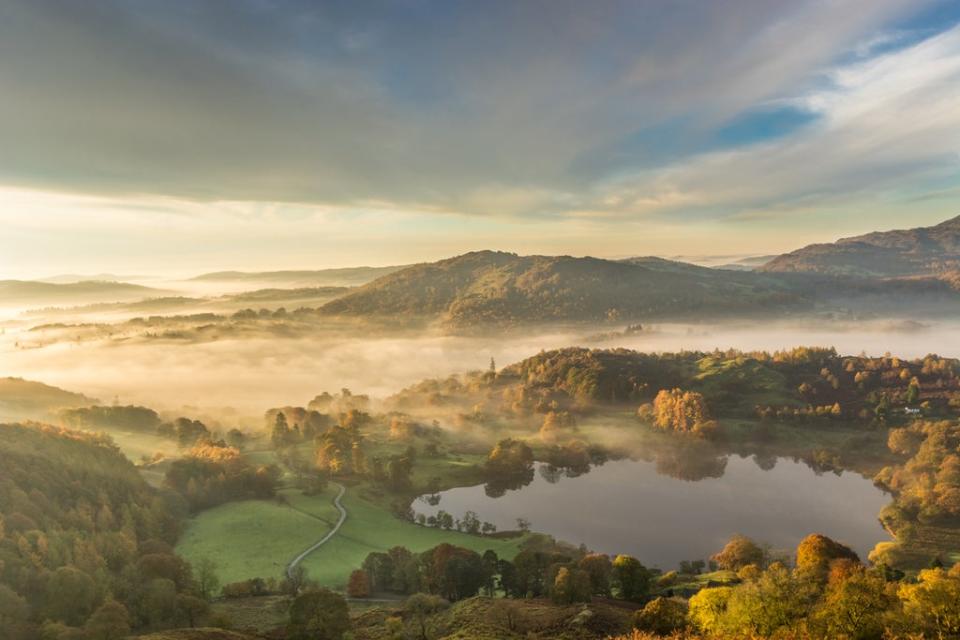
(523, 415)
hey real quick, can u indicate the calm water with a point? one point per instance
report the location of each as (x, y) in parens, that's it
(635, 507)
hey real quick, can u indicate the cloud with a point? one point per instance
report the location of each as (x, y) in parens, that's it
(486, 108)
(886, 127)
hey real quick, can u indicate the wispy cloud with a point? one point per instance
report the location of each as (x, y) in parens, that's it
(885, 125)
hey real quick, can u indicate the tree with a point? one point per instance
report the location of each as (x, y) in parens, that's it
(662, 616)
(207, 581)
(683, 411)
(71, 594)
(571, 585)
(762, 607)
(510, 457)
(600, 570)
(359, 584)
(358, 458)
(933, 602)
(191, 609)
(739, 552)
(855, 604)
(296, 578)
(816, 552)
(399, 470)
(110, 622)
(421, 606)
(913, 392)
(318, 614)
(13, 608)
(280, 435)
(708, 609)
(776, 600)
(631, 577)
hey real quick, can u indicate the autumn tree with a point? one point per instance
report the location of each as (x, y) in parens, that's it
(318, 614)
(359, 584)
(571, 585)
(631, 577)
(816, 551)
(682, 411)
(662, 616)
(856, 603)
(600, 570)
(510, 457)
(739, 552)
(109, 622)
(932, 603)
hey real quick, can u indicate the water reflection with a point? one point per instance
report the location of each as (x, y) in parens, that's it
(675, 503)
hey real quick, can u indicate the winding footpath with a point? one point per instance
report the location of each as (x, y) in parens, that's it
(322, 541)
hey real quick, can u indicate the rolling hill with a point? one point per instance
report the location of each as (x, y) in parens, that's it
(25, 399)
(345, 277)
(504, 289)
(29, 292)
(926, 251)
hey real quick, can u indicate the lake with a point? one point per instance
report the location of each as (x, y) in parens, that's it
(638, 508)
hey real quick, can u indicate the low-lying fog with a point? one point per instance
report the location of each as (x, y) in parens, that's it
(251, 375)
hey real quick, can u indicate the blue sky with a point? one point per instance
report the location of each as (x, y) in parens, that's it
(256, 134)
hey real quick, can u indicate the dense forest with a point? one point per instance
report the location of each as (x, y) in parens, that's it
(85, 544)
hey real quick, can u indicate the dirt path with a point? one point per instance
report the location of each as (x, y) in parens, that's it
(322, 541)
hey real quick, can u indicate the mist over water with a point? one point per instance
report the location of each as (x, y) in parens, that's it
(253, 374)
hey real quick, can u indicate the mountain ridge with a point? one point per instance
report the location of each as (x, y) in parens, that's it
(920, 251)
(499, 288)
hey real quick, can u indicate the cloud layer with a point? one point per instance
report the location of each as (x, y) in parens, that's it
(495, 107)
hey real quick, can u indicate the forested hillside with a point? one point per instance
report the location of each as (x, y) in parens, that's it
(22, 399)
(85, 544)
(912, 252)
(800, 384)
(496, 288)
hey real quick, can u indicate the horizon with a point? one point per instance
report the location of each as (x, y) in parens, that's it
(176, 139)
(707, 259)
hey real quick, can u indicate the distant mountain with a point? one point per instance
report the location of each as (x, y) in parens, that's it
(28, 292)
(496, 288)
(345, 277)
(68, 278)
(25, 399)
(733, 262)
(926, 251)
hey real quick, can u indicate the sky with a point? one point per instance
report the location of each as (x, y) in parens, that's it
(178, 137)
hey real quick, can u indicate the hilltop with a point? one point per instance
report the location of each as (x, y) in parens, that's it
(20, 399)
(925, 251)
(505, 289)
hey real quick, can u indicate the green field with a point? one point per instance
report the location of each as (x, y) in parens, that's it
(257, 538)
(369, 527)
